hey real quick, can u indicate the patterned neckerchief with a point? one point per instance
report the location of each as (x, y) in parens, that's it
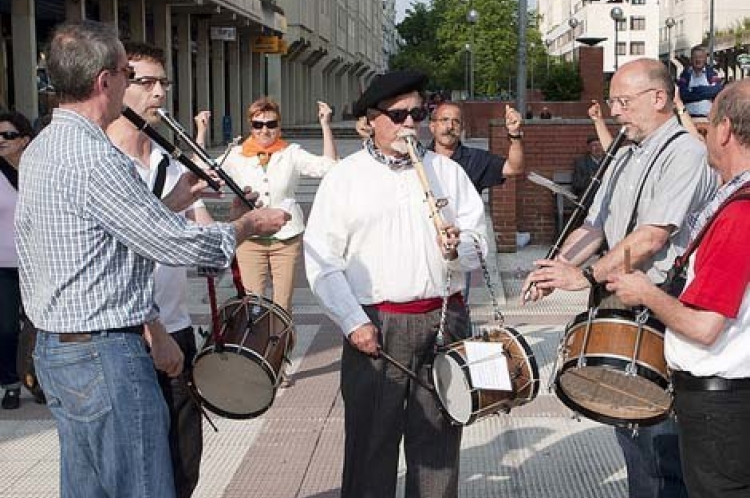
(722, 195)
(391, 161)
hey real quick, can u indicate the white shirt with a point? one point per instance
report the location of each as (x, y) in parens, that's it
(700, 107)
(278, 180)
(170, 282)
(370, 238)
(727, 357)
(8, 200)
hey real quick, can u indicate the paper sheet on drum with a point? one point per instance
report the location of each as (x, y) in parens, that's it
(488, 365)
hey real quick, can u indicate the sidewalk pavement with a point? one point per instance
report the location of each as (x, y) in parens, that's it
(295, 449)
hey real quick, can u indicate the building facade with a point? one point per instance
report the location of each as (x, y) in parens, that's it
(222, 54)
(627, 30)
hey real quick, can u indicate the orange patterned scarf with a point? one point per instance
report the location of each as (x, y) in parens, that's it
(251, 148)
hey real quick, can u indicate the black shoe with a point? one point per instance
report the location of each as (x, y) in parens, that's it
(12, 399)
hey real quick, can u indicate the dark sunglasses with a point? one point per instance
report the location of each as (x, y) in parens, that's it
(271, 125)
(398, 116)
(10, 135)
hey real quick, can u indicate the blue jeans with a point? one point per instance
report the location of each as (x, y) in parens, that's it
(10, 327)
(112, 421)
(652, 459)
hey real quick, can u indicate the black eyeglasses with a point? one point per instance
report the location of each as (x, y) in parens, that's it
(149, 82)
(398, 116)
(271, 125)
(10, 135)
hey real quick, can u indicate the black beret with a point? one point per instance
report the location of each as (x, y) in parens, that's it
(389, 85)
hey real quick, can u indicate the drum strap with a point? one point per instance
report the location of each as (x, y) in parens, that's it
(677, 275)
(215, 322)
(237, 278)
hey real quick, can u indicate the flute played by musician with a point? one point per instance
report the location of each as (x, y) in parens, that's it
(644, 201)
(380, 263)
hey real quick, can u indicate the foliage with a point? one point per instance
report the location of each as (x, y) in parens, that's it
(563, 83)
(438, 37)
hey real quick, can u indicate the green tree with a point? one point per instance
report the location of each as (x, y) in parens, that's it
(436, 36)
(563, 82)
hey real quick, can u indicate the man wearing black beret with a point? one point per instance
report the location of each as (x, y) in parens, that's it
(380, 270)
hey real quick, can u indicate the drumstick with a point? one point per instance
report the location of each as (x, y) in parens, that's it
(405, 370)
(628, 269)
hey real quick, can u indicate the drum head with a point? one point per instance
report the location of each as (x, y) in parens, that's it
(613, 397)
(452, 388)
(234, 384)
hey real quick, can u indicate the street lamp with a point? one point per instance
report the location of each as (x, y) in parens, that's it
(467, 47)
(617, 15)
(669, 22)
(548, 43)
(573, 23)
(472, 17)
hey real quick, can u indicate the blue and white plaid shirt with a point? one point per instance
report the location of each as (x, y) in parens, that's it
(88, 231)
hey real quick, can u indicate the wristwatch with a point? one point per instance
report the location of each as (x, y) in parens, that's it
(588, 274)
(517, 136)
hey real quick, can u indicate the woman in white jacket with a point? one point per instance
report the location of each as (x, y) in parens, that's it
(272, 167)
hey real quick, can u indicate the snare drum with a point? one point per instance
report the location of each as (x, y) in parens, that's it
(461, 401)
(613, 370)
(239, 378)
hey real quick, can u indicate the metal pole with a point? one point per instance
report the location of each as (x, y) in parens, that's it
(711, 35)
(471, 62)
(616, 45)
(521, 70)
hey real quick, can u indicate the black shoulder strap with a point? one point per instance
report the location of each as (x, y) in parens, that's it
(10, 173)
(634, 214)
(161, 176)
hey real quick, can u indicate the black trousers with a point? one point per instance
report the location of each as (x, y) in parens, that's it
(10, 326)
(715, 442)
(383, 405)
(185, 428)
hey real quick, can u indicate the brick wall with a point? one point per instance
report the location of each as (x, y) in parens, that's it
(520, 205)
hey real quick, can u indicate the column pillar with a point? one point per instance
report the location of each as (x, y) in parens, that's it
(202, 72)
(108, 12)
(217, 88)
(273, 66)
(184, 82)
(235, 91)
(75, 10)
(137, 23)
(23, 27)
(162, 13)
(247, 79)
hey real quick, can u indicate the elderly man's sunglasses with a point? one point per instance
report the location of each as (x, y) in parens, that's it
(271, 125)
(398, 116)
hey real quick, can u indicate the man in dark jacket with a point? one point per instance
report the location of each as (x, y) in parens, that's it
(699, 83)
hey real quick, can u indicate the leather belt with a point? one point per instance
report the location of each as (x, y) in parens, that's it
(87, 336)
(687, 382)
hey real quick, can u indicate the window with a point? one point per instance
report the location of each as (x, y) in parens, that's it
(622, 25)
(637, 23)
(638, 2)
(638, 48)
(621, 50)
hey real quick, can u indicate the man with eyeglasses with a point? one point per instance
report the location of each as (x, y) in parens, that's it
(376, 263)
(146, 94)
(88, 234)
(484, 168)
(643, 205)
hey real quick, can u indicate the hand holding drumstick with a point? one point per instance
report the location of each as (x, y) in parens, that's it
(629, 286)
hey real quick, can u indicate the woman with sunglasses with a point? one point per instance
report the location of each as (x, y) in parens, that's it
(273, 167)
(15, 134)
